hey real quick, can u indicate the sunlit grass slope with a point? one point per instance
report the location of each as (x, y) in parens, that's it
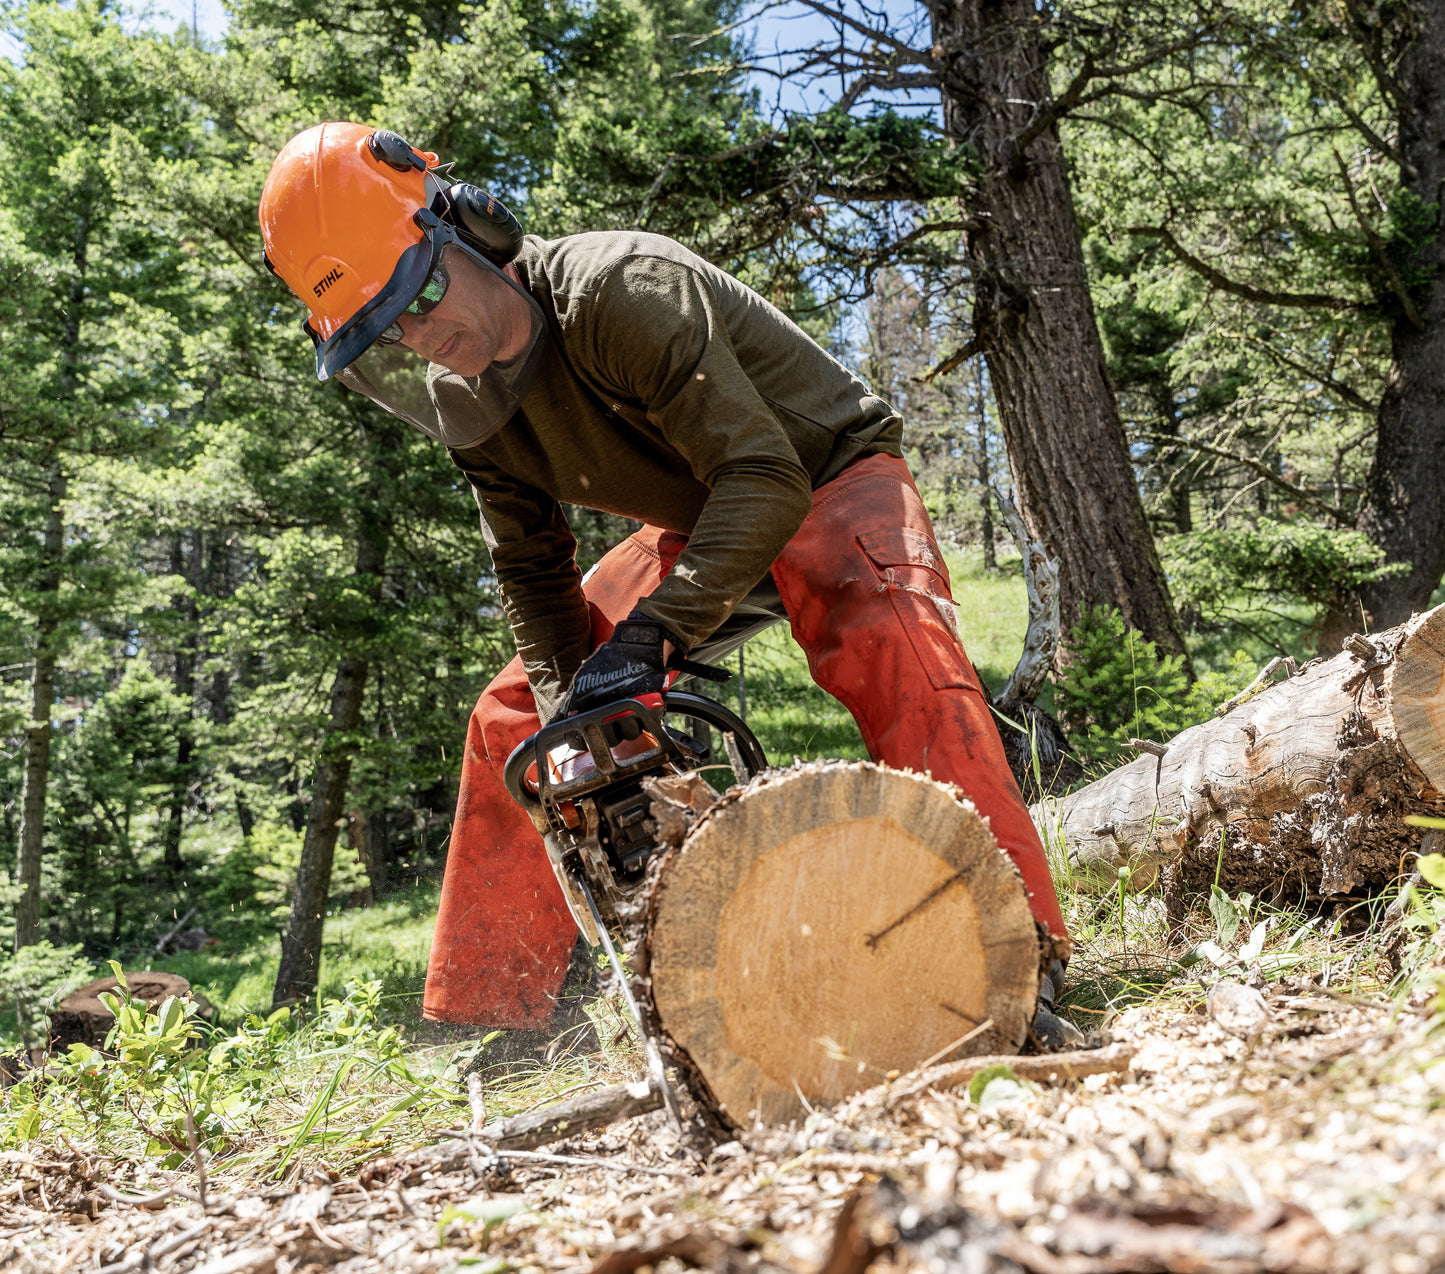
(389, 940)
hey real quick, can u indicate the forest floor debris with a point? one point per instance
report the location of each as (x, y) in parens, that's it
(1316, 1144)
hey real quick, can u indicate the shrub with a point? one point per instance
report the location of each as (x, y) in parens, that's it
(34, 980)
(1117, 686)
(1221, 575)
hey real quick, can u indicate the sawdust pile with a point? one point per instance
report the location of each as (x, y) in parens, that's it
(1316, 1146)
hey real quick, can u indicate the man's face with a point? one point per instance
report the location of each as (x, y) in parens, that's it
(480, 320)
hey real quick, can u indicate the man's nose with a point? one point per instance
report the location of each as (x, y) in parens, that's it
(416, 331)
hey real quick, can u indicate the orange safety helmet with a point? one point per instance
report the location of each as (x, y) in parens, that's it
(348, 217)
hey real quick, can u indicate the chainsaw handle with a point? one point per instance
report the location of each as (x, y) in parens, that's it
(514, 773)
(647, 709)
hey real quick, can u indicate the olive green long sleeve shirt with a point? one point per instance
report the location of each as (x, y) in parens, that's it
(673, 394)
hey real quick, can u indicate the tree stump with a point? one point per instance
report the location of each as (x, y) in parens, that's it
(1300, 790)
(826, 926)
(83, 1018)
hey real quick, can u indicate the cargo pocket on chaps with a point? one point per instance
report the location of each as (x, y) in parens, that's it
(911, 573)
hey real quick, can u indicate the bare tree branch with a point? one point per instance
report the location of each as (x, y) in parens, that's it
(1367, 36)
(1379, 251)
(1256, 467)
(1352, 397)
(875, 34)
(954, 361)
(1264, 296)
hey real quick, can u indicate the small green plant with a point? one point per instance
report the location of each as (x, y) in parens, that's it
(1231, 917)
(331, 1086)
(1117, 686)
(1422, 963)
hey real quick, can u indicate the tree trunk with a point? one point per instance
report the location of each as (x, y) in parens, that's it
(37, 734)
(1035, 324)
(1308, 781)
(296, 979)
(184, 681)
(985, 479)
(826, 925)
(1404, 511)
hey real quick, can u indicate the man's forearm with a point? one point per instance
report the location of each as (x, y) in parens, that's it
(745, 525)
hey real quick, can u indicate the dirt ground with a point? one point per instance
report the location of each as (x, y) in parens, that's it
(1318, 1145)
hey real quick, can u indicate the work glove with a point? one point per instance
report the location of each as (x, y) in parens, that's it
(627, 664)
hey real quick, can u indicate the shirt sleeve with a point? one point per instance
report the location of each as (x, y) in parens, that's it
(534, 555)
(659, 334)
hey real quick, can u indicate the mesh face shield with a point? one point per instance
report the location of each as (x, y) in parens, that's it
(455, 349)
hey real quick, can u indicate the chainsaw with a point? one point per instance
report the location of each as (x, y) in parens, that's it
(581, 780)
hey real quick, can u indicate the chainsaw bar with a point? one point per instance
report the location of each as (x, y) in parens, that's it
(649, 1045)
(581, 781)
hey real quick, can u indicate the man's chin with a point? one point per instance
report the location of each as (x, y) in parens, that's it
(465, 363)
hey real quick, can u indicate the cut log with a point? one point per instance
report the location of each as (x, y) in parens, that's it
(83, 1018)
(827, 925)
(1309, 781)
(572, 1118)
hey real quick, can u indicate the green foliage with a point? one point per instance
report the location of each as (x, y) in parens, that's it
(33, 981)
(996, 1070)
(1421, 964)
(260, 872)
(164, 1068)
(113, 770)
(1243, 574)
(483, 1214)
(1117, 686)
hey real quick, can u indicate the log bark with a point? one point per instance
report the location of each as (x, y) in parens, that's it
(572, 1118)
(83, 1018)
(827, 925)
(1300, 790)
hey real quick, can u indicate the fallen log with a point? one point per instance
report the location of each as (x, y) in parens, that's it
(827, 925)
(1298, 790)
(571, 1118)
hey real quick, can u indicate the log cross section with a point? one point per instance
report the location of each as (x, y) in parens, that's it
(828, 925)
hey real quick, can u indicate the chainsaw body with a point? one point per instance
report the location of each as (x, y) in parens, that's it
(581, 781)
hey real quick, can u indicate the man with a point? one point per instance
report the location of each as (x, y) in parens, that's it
(621, 372)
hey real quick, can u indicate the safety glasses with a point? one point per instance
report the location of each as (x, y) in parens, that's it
(424, 302)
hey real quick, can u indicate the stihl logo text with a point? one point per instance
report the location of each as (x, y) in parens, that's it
(320, 288)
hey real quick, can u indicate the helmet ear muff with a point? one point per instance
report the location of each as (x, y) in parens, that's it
(483, 221)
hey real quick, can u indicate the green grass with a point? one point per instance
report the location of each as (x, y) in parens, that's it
(388, 941)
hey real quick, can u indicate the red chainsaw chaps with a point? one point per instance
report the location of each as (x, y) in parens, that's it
(867, 593)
